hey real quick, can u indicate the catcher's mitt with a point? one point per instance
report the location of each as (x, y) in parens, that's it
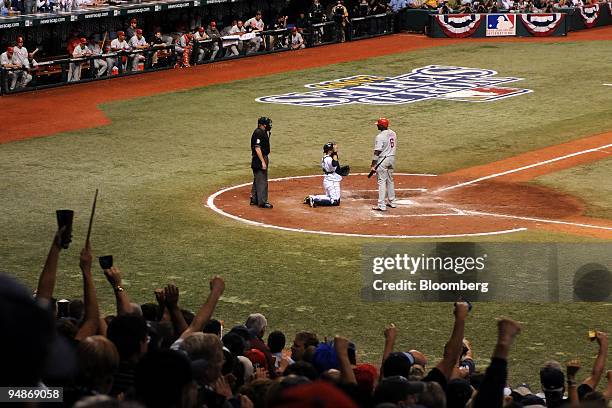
(344, 170)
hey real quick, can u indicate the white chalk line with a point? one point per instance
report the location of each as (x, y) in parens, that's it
(381, 214)
(397, 189)
(210, 203)
(607, 84)
(544, 220)
(567, 156)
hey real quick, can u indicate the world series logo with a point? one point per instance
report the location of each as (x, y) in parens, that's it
(430, 82)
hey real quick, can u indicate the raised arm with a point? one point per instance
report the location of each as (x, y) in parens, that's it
(454, 346)
(92, 312)
(347, 375)
(217, 286)
(573, 367)
(171, 297)
(491, 393)
(113, 275)
(600, 362)
(608, 391)
(48, 276)
(390, 335)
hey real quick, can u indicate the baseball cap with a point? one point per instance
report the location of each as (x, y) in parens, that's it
(318, 394)
(119, 33)
(398, 363)
(138, 31)
(325, 358)
(552, 379)
(201, 29)
(257, 357)
(20, 39)
(366, 375)
(133, 21)
(83, 40)
(213, 24)
(9, 49)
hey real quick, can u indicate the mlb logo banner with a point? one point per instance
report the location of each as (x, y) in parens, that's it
(501, 25)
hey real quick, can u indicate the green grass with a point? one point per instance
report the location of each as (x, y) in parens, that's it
(162, 155)
(578, 181)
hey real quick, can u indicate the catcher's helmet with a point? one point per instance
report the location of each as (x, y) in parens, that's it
(328, 147)
(267, 122)
(382, 122)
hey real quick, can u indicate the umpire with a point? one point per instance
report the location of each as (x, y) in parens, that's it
(260, 149)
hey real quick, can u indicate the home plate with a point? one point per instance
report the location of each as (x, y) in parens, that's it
(404, 201)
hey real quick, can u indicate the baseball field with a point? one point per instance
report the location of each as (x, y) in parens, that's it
(167, 149)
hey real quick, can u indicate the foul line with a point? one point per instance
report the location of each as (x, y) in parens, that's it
(524, 168)
(210, 203)
(536, 219)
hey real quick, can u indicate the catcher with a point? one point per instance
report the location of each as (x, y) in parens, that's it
(331, 181)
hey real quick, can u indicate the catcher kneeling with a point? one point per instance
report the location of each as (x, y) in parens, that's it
(331, 181)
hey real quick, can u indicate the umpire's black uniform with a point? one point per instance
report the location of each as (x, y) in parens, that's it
(261, 139)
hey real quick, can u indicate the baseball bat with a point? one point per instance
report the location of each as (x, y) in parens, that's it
(93, 212)
(376, 167)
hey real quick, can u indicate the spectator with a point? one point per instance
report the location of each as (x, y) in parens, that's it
(297, 42)
(276, 344)
(256, 324)
(590, 384)
(138, 42)
(215, 36)
(302, 342)
(164, 379)
(98, 361)
(80, 51)
(317, 12)
(129, 334)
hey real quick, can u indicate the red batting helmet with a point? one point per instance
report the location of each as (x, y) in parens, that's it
(382, 122)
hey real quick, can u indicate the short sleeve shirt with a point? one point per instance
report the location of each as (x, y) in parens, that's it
(260, 138)
(135, 42)
(386, 143)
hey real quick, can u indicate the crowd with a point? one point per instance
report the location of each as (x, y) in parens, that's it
(158, 354)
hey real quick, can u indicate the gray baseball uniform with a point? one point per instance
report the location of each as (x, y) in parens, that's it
(386, 143)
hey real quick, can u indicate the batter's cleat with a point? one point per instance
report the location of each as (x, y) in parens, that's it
(266, 205)
(253, 202)
(391, 205)
(379, 209)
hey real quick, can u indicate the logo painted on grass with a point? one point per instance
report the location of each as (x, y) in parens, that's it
(499, 25)
(430, 82)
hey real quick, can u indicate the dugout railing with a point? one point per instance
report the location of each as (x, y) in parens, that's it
(61, 71)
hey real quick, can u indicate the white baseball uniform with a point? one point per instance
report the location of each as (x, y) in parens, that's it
(331, 184)
(386, 143)
(134, 43)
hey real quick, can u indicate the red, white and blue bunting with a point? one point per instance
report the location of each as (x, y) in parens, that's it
(589, 14)
(541, 25)
(459, 25)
